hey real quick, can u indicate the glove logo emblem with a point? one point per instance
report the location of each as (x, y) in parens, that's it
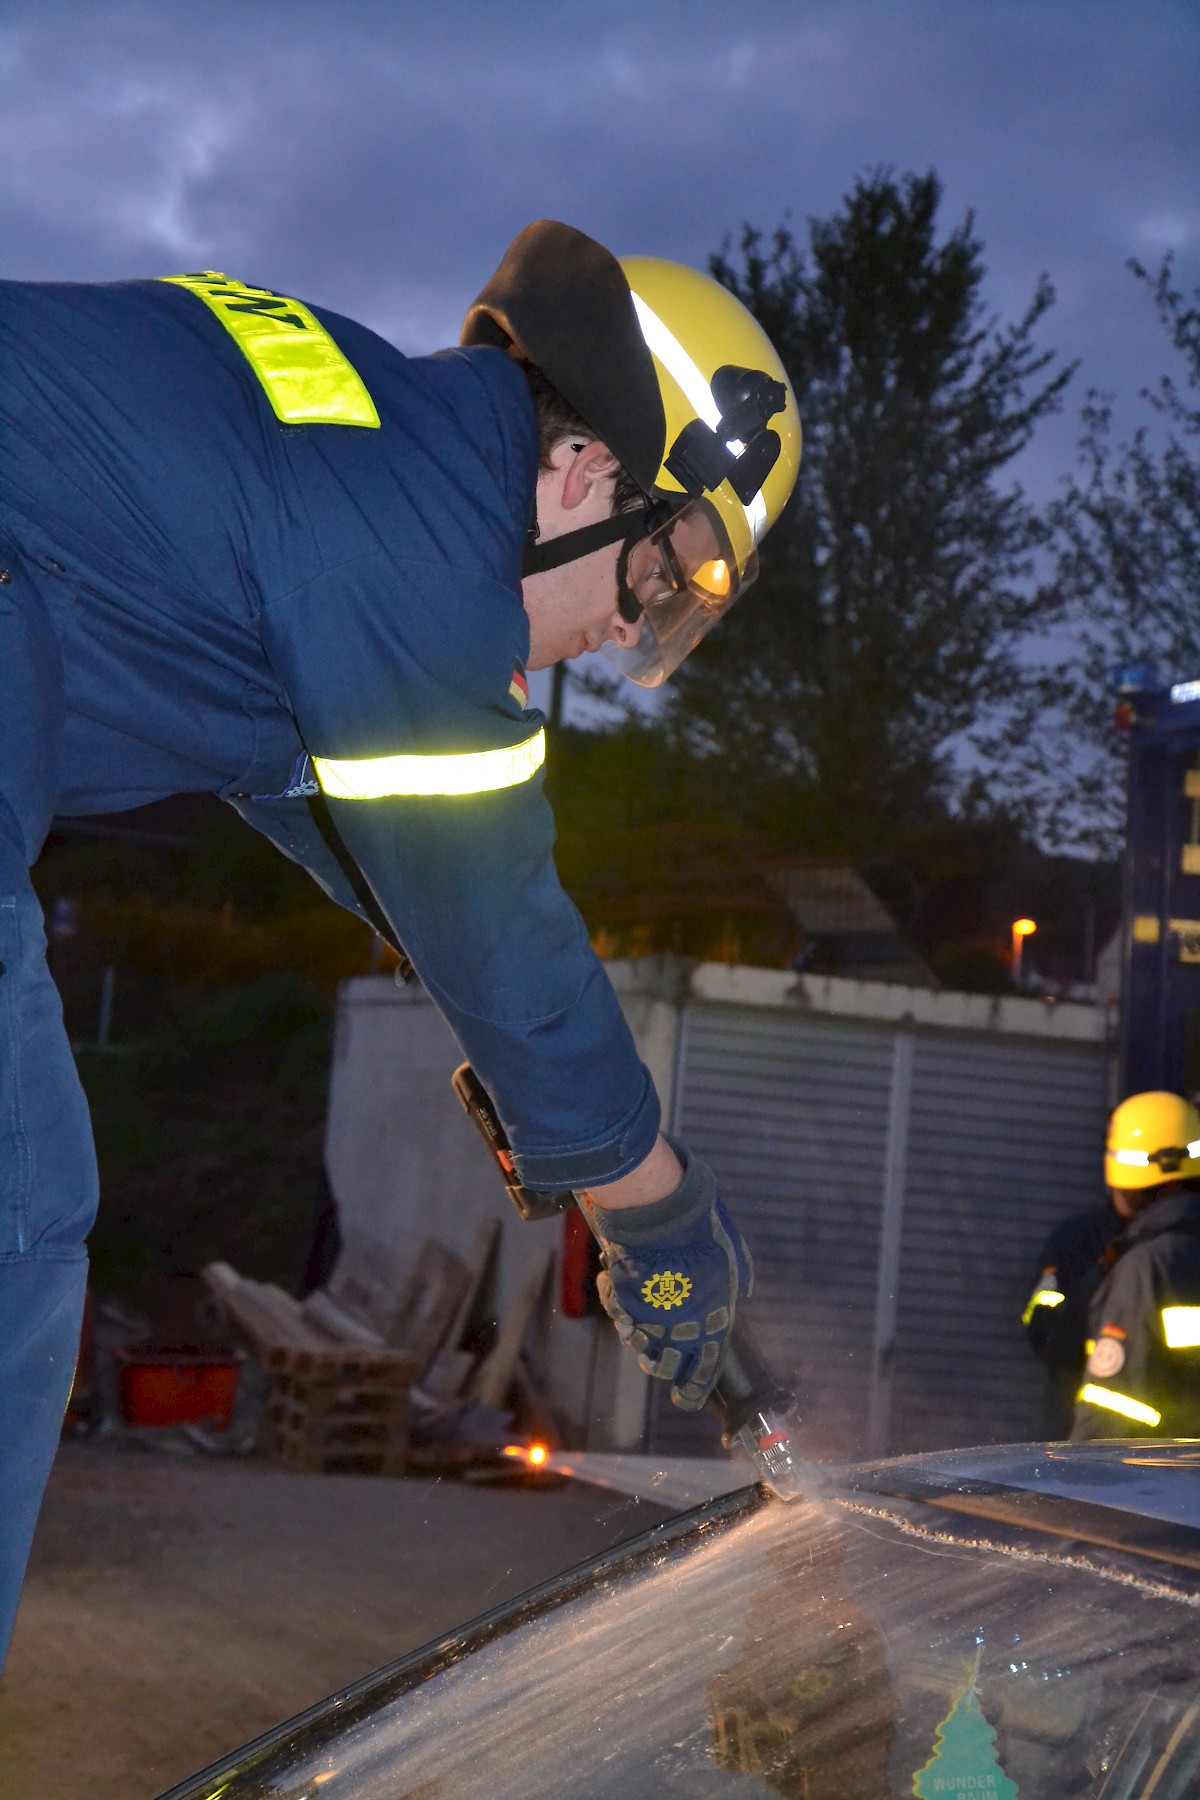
(666, 1289)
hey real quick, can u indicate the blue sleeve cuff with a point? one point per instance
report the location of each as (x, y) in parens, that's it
(630, 1145)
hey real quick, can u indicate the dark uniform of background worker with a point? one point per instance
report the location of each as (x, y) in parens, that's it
(1074, 1260)
(247, 547)
(1143, 1368)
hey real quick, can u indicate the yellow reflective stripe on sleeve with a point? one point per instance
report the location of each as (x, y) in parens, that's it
(1181, 1327)
(1119, 1403)
(471, 772)
(307, 379)
(1041, 1297)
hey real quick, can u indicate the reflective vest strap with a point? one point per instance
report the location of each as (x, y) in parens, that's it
(1125, 1404)
(1044, 1294)
(466, 772)
(306, 378)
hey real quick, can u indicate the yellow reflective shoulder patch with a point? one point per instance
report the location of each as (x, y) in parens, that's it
(1181, 1327)
(305, 376)
(468, 772)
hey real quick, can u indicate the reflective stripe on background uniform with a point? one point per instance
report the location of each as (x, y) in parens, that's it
(1124, 1405)
(1046, 1293)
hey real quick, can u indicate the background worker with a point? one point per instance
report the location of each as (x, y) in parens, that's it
(1143, 1369)
(247, 547)
(1073, 1261)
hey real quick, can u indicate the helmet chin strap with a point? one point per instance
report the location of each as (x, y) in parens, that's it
(539, 556)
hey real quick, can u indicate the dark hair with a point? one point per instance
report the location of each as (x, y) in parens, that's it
(557, 419)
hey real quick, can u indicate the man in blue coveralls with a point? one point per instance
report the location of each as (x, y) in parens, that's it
(247, 547)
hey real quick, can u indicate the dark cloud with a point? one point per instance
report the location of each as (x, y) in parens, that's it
(377, 157)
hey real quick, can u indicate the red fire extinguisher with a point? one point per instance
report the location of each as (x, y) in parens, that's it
(578, 1269)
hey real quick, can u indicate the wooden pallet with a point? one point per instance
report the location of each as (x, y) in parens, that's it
(339, 1448)
(339, 1410)
(339, 1365)
(333, 1444)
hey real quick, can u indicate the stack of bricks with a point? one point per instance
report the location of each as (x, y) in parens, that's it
(341, 1410)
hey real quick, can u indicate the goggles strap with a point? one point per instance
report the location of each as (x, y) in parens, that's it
(628, 604)
(552, 554)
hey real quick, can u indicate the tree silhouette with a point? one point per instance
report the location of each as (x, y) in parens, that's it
(897, 587)
(1126, 528)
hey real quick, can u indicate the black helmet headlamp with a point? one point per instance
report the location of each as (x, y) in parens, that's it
(740, 448)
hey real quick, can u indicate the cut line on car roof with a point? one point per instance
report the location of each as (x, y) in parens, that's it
(1157, 1590)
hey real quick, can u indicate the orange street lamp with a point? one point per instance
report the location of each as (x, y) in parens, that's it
(1021, 929)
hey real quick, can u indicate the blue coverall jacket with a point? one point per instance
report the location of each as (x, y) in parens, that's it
(195, 596)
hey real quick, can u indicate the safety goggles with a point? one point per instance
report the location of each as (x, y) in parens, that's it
(678, 580)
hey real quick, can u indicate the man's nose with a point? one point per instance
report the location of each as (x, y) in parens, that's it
(621, 632)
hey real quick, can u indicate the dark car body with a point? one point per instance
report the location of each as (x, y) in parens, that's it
(1008, 1622)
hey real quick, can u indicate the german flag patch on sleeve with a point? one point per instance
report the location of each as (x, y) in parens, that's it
(518, 687)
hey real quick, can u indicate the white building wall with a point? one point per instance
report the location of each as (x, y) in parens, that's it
(405, 1164)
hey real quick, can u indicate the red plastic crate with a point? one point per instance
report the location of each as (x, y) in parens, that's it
(177, 1387)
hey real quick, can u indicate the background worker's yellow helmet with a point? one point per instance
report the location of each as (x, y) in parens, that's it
(682, 384)
(1152, 1138)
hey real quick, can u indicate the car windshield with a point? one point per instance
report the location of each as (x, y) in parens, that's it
(859, 1646)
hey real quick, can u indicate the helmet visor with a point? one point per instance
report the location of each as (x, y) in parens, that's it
(681, 578)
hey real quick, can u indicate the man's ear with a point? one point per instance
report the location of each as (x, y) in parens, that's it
(586, 467)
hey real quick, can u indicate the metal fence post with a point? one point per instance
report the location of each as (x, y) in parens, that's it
(891, 1225)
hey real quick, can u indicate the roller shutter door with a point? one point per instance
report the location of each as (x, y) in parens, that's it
(1006, 1138)
(791, 1112)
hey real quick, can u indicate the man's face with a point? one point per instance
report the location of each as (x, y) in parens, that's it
(573, 609)
(1122, 1202)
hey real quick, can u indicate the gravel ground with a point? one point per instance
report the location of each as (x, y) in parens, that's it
(176, 1607)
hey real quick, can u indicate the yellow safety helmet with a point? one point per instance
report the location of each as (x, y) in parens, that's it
(732, 453)
(682, 384)
(1152, 1138)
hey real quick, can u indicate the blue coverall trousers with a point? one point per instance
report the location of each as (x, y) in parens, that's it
(48, 1183)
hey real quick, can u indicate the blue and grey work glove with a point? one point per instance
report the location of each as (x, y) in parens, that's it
(672, 1277)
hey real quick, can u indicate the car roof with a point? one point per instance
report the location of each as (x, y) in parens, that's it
(1127, 1513)
(1148, 1479)
(1145, 1479)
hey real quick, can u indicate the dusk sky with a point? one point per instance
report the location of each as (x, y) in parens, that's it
(377, 158)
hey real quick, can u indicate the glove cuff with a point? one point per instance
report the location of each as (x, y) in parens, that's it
(671, 1217)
